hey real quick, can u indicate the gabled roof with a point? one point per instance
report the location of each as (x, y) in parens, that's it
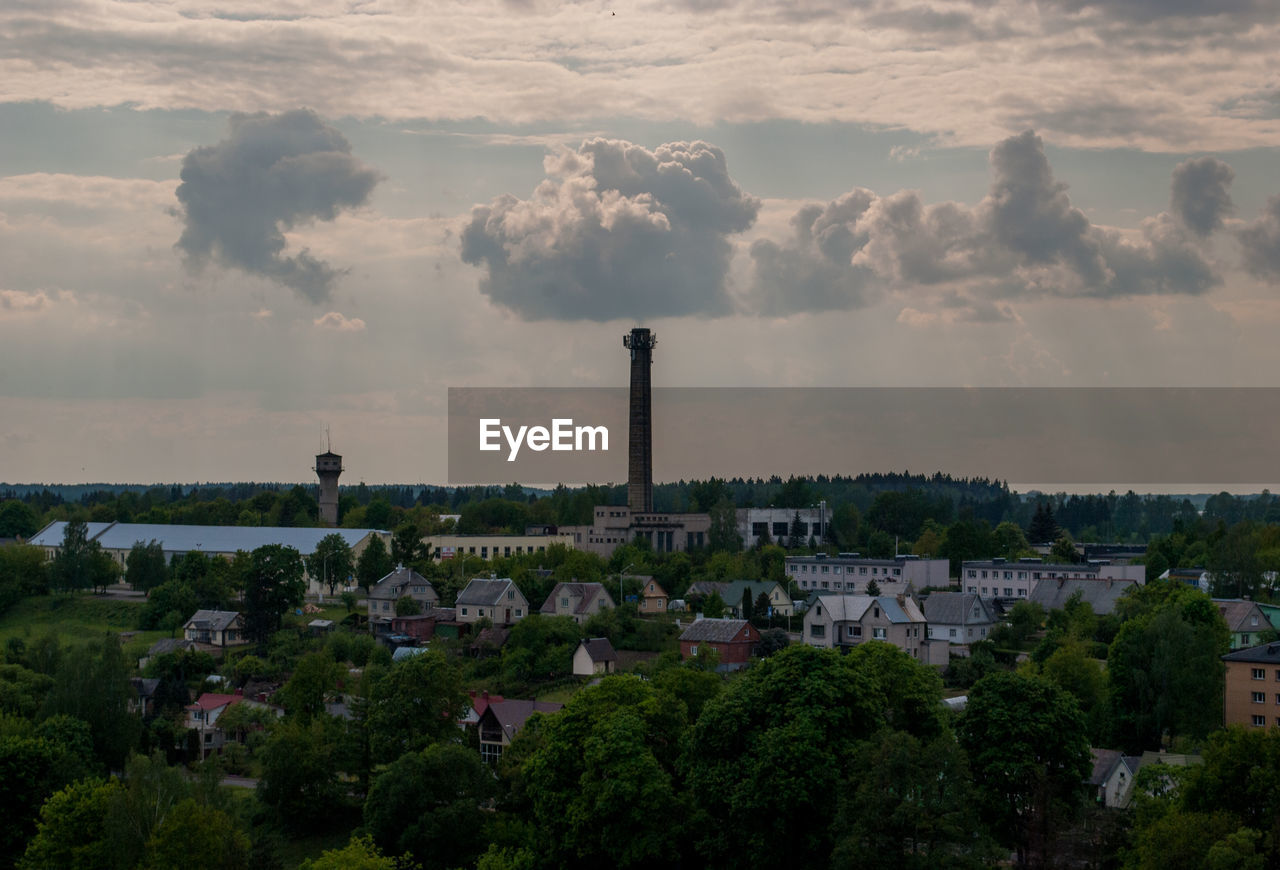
(399, 578)
(1240, 614)
(658, 591)
(170, 644)
(486, 593)
(956, 608)
(52, 534)
(851, 608)
(511, 714)
(1105, 762)
(492, 636)
(706, 587)
(732, 594)
(144, 686)
(1101, 595)
(719, 631)
(212, 620)
(599, 649)
(580, 596)
(1267, 654)
(213, 701)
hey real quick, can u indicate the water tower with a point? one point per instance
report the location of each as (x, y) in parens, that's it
(328, 467)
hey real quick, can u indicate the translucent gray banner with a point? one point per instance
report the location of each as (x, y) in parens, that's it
(1157, 436)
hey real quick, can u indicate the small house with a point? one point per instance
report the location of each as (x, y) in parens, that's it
(221, 628)
(594, 656)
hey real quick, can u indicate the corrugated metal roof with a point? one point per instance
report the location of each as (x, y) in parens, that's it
(207, 539)
(52, 534)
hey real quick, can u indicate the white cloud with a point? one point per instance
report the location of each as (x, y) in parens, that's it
(339, 322)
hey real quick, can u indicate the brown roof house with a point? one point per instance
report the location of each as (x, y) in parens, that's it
(734, 640)
(594, 656)
(502, 720)
(579, 600)
(498, 600)
(215, 627)
(1245, 620)
(1252, 695)
(653, 598)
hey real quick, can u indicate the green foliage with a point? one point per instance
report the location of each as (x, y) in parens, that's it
(331, 562)
(22, 691)
(359, 854)
(198, 835)
(417, 703)
(429, 804)
(539, 648)
(23, 571)
(72, 830)
(17, 520)
(80, 563)
(273, 586)
(407, 605)
(723, 535)
(145, 567)
(909, 804)
(773, 749)
(1029, 751)
(599, 784)
(314, 677)
(1165, 674)
(92, 684)
(300, 766)
(31, 769)
(374, 563)
(713, 607)
(169, 604)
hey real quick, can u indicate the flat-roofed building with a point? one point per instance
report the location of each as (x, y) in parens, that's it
(664, 531)
(1252, 694)
(850, 573)
(444, 547)
(1001, 578)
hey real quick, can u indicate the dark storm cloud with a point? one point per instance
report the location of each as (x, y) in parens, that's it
(615, 230)
(1260, 242)
(1200, 196)
(272, 173)
(1024, 240)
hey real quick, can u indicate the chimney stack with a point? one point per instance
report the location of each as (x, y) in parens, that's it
(640, 441)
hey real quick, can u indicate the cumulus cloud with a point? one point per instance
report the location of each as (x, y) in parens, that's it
(22, 302)
(1260, 242)
(615, 230)
(1025, 239)
(339, 322)
(272, 173)
(1200, 196)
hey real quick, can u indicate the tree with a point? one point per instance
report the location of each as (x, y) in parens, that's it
(1029, 751)
(313, 678)
(80, 563)
(31, 769)
(300, 765)
(773, 748)
(1043, 528)
(374, 563)
(428, 803)
(723, 535)
(197, 835)
(23, 571)
(407, 605)
(1064, 550)
(359, 854)
(747, 604)
(1010, 541)
(873, 588)
(713, 607)
(331, 561)
(909, 804)
(418, 702)
(168, 604)
(17, 520)
(407, 546)
(274, 586)
(145, 568)
(92, 684)
(598, 781)
(72, 831)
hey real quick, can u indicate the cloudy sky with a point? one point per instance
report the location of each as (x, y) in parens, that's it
(223, 229)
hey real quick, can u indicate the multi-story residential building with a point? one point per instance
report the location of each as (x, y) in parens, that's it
(498, 600)
(579, 600)
(850, 573)
(1252, 694)
(1000, 578)
(842, 621)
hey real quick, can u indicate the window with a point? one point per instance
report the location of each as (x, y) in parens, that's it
(816, 630)
(953, 632)
(1008, 592)
(564, 602)
(826, 569)
(1244, 638)
(855, 630)
(1022, 593)
(973, 590)
(693, 650)
(519, 611)
(862, 570)
(897, 572)
(984, 590)
(1261, 674)
(835, 570)
(1260, 721)
(972, 573)
(1259, 697)
(464, 611)
(878, 633)
(511, 595)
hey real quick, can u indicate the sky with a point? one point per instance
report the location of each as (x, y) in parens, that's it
(227, 227)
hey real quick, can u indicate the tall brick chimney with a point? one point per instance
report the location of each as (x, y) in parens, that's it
(640, 442)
